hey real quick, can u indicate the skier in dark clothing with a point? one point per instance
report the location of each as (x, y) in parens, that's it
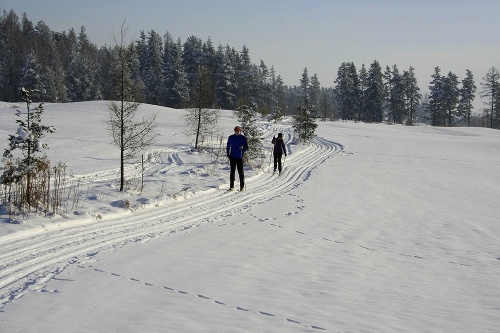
(236, 147)
(278, 151)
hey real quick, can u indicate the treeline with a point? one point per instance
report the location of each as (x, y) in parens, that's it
(374, 95)
(67, 67)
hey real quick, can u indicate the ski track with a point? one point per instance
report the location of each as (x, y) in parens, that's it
(30, 259)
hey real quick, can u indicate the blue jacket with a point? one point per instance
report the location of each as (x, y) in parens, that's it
(236, 146)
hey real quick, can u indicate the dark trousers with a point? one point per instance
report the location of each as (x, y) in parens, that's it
(236, 163)
(277, 161)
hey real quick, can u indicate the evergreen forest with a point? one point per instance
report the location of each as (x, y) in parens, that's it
(163, 70)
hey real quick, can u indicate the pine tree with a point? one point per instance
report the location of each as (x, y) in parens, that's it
(467, 96)
(154, 80)
(244, 77)
(315, 93)
(30, 79)
(326, 105)
(397, 96)
(278, 99)
(436, 98)
(248, 116)
(176, 82)
(451, 95)
(491, 92)
(347, 90)
(263, 88)
(375, 94)
(304, 123)
(28, 140)
(225, 80)
(81, 77)
(12, 56)
(192, 58)
(363, 84)
(412, 94)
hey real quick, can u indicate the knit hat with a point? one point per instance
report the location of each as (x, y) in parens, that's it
(280, 135)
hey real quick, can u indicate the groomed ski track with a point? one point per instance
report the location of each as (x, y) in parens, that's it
(31, 258)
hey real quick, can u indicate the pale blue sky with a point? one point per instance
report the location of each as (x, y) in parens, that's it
(290, 34)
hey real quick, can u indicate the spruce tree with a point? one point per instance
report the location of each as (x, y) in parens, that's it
(248, 116)
(436, 98)
(451, 95)
(304, 123)
(397, 96)
(375, 94)
(467, 96)
(28, 139)
(491, 92)
(412, 93)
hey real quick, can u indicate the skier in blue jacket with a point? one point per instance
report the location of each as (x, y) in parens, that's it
(236, 147)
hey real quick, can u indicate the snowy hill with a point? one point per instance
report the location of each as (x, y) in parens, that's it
(371, 228)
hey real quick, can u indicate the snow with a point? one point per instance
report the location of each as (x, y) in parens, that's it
(370, 228)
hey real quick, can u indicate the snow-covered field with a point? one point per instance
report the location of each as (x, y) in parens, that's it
(371, 228)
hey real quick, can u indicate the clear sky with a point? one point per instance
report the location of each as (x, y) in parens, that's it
(290, 34)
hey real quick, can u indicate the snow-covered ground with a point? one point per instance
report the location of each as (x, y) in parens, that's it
(371, 228)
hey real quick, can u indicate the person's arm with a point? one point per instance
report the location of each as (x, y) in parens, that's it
(228, 146)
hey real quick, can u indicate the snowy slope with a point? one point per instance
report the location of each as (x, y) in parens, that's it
(371, 228)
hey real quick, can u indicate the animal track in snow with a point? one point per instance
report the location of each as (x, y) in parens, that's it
(199, 296)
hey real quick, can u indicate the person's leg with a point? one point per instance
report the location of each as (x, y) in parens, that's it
(275, 161)
(240, 173)
(278, 157)
(232, 163)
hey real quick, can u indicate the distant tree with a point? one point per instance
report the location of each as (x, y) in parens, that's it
(363, 85)
(202, 119)
(82, 69)
(248, 116)
(304, 123)
(467, 96)
(278, 99)
(436, 99)
(244, 80)
(412, 94)
(30, 78)
(315, 92)
(347, 90)
(129, 135)
(375, 94)
(192, 57)
(397, 96)
(325, 103)
(450, 98)
(154, 79)
(12, 56)
(225, 80)
(176, 82)
(491, 93)
(134, 64)
(263, 88)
